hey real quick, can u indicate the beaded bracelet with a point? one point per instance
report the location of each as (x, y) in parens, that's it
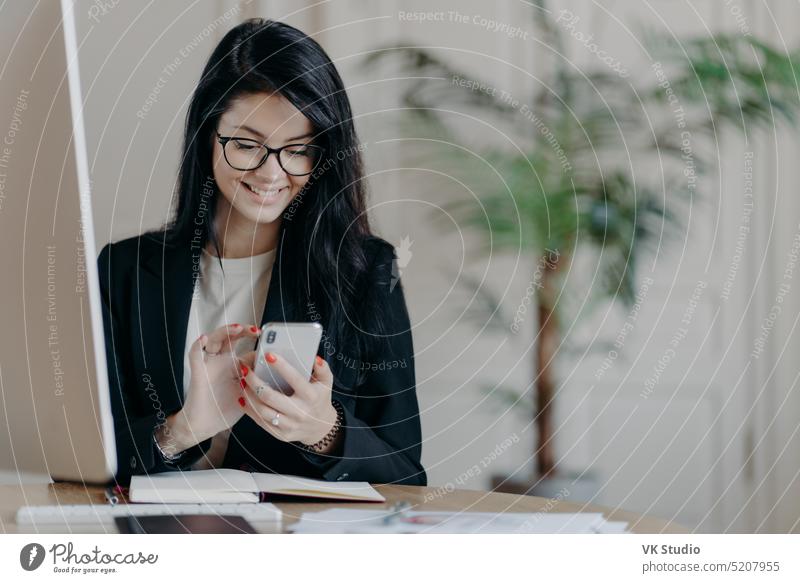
(323, 443)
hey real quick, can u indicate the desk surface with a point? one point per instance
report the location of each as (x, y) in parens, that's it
(12, 497)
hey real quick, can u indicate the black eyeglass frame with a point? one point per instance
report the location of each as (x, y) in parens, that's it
(223, 140)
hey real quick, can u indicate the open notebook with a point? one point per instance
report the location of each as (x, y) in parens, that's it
(227, 485)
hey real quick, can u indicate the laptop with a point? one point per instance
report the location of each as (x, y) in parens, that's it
(55, 411)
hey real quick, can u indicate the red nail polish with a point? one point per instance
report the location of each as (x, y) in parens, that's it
(271, 357)
(244, 370)
(253, 329)
(242, 383)
(319, 361)
(241, 401)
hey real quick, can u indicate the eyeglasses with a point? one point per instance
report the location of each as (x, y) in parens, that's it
(247, 154)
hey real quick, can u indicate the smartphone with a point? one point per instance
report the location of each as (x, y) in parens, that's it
(296, 342)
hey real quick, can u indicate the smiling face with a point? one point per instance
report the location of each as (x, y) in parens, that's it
(253, 198)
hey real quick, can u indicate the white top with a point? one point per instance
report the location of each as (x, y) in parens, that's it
(237, 298)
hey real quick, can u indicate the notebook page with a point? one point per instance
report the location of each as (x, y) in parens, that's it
(297, 486)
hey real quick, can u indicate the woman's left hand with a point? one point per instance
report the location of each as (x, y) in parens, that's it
(306, 416)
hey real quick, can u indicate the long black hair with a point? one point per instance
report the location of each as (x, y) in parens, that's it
(321, 240)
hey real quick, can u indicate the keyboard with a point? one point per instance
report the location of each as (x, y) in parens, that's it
(86, 514)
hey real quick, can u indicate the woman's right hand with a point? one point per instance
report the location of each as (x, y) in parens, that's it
(212, 398)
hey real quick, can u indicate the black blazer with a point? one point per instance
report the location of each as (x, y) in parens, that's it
(146, 289)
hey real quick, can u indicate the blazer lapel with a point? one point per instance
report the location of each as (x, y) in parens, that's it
(278, 307)
(165, 290)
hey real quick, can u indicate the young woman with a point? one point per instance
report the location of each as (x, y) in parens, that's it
(270, 225)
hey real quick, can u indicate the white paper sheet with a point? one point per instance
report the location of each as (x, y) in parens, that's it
(342, 520)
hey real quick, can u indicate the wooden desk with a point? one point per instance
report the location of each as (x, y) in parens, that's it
(12, 497)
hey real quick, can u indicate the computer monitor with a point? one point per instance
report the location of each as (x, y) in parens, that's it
(55, 411)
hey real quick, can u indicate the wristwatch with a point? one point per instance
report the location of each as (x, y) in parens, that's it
(323, 443)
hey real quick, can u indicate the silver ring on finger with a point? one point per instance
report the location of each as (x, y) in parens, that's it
(276, 421)
(209, 353)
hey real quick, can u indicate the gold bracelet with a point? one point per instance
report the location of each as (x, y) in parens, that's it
(323, 443)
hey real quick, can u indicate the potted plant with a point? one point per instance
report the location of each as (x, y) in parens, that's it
(566, 192)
